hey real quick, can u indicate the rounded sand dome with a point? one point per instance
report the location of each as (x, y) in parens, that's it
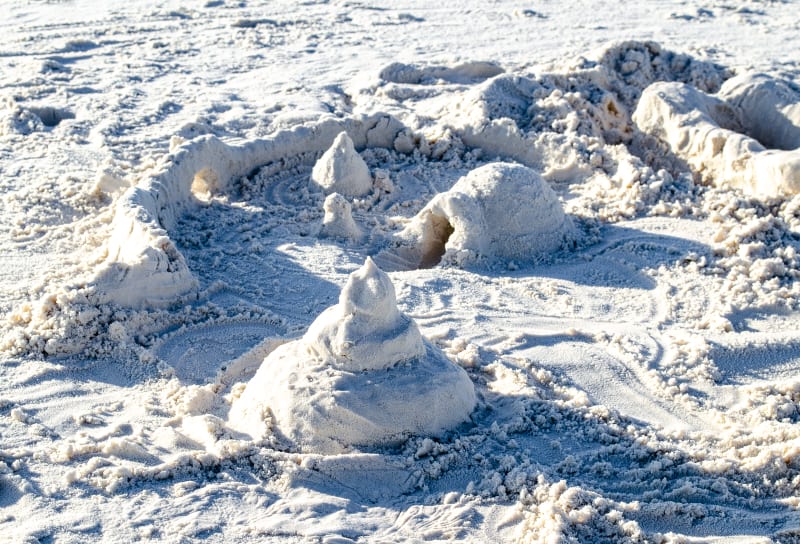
(498, 211)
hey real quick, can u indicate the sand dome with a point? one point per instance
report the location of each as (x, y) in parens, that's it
(498, 211)
(362, 375)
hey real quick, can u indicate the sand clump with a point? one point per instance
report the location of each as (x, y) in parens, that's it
(342, 170)
(747, 136)
(362, 375)
(500, 211)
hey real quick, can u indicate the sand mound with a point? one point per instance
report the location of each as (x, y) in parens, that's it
(628, 67)
(342, 170)
(361, 375)
(498, 211)
(746, 136)
(467, 72)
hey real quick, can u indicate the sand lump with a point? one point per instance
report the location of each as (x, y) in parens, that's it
(362, 375)
(499, 211)
(746, 136)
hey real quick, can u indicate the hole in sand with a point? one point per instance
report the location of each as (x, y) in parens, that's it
(434, 241)
(51, 116)
(205, 184)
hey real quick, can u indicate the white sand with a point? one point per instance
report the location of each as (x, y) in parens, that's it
(169, 268)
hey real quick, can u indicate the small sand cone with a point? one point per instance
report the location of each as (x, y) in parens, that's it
(342, 170)
(338, 221)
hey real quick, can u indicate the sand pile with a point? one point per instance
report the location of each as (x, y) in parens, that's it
(500, 211)
(362, 375)
(746, 136)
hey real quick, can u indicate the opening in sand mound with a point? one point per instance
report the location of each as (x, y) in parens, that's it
(499, 211)
(51, 116)
(746, 136)
(434, 242)
(204, 184)
(362, 375)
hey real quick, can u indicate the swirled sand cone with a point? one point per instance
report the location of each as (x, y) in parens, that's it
(362, 375)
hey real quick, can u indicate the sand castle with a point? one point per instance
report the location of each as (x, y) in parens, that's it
(746, 136)
(143, 267)
(362, 375)
(500, 211)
